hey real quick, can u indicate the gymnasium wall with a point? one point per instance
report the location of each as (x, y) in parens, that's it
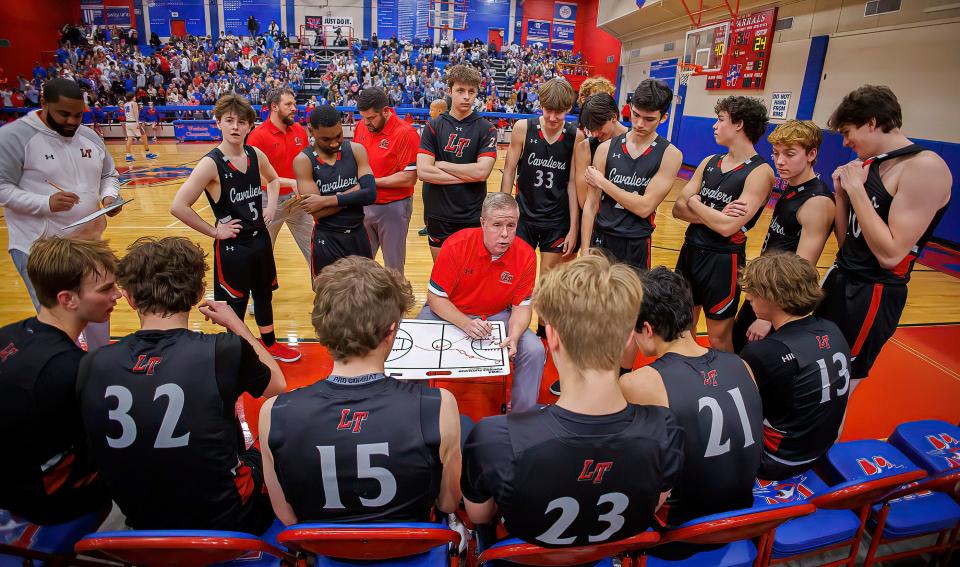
(599, 48)
(337, 9)
(31, 29)
(913, 51)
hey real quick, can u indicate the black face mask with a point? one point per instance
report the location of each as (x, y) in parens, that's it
(59, 127)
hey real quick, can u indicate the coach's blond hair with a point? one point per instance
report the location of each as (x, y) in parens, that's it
(592, 304)
(60, 264)
(357, 300)
(785, 279)
(557, 95)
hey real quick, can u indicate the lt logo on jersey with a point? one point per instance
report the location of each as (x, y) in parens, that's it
(709, 377)
(86, 152)
(594, 472)
(8, 351)
(354, 423)
(456, 145)
(823, 342)
(146, 365)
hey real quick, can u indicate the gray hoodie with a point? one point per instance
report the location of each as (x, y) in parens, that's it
(30, 154)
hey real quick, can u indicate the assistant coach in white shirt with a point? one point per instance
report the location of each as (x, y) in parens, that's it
(46, 149)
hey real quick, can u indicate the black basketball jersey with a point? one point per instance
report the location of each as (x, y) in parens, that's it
(784, 231)
(803, 373)
(163, 436)
(717, 190)
(334, 179)
(631, 175)
(594, 144)
(358, 449)
(241, 197)
(855, 255)
(39, 418)
(572, 479)
(457, 141)
(543, 173)
(719, 407)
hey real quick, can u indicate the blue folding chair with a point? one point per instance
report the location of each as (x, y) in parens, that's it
(931, 443)
(519, 552)
(914, 510)
(187, 548)
(834, 524)
(413, 544)
(735, 529)
(20, 540)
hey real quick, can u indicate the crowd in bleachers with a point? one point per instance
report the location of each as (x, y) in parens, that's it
(192, 71)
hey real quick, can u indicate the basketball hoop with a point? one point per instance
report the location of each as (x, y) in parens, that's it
(688, 70)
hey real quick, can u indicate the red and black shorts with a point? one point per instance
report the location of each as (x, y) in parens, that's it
(243, 265)
(631, 251)
(549, 239)
(866, 312)
(438, 231)
(714, 279)
(328, 246)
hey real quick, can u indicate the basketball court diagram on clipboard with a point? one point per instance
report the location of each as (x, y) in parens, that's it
(425, 350)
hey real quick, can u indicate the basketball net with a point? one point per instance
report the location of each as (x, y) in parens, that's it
(688, 70)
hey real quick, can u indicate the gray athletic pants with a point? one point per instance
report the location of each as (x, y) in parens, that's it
(527, 364)
(387, 226)
(299, 223)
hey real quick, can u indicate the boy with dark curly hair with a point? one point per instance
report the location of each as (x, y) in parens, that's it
(714, 249)
(158, 405)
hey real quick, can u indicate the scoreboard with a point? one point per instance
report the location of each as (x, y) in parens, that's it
(745, 65)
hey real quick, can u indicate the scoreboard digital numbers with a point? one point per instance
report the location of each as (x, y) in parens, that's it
(751, 41)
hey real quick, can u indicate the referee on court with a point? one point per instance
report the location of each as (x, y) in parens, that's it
(392, 147)
(281, 138)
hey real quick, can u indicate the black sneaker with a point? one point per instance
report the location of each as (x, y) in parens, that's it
(423, 231)
(555, 388)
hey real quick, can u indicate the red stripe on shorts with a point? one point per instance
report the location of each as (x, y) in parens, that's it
(868, 320)
(733, 286)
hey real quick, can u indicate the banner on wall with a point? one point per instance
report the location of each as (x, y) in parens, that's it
(563, 33)
(332, 21)
(538, 31)
(193, 12)
(779, 106)
(118, 16)
(313, 22)
(196, 130)
(565, 11)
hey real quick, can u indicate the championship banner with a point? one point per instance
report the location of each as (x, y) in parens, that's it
(538, 31)
(563, 33)
(196, 130)
(565, 11)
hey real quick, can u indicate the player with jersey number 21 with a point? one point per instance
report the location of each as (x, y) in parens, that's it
(231, 175)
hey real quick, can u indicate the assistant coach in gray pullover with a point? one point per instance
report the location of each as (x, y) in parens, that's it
(44, 150)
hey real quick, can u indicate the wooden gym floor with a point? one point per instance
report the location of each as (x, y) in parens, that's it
(921, 367)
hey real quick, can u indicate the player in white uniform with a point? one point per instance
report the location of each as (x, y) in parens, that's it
(132, 128)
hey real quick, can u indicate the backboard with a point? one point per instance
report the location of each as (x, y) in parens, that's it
(706, 45)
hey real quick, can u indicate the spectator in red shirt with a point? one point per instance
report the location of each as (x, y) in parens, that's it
(281, 138)
(392, 146)
(487, 274)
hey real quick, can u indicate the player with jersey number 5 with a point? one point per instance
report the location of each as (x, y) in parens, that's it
(231, 175)
(889, 201)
